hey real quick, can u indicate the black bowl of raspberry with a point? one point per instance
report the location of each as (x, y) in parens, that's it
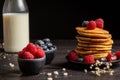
(31, 59)
(31, 66)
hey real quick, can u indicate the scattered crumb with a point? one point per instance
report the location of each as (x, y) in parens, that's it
(64, 69)
(4, 57)
(49, 78)
(99, 71)
(85, 70)
(56, 72)
(49, 74)
(11, 65)
(65, 74)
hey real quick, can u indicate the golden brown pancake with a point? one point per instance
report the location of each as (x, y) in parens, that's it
(95, 31)
(91, 39)
(93, 45)
(94, 48)
(80, 51)
(94, 35)
(109, 42)
(97, 42)
(97, 55)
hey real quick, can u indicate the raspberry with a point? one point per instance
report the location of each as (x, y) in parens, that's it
(39, 48)
(31, 48)
(91, 25)
(117, 54)
(99, 20)
(25, 49)
(99, 23)
(89, 59)
(28, 55)
(40, 54)
(109, 57)
(73, 56)
(20, 54)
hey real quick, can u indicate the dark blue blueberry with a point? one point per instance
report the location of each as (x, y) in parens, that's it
(49, 44)
(46, 40)
(39, 42)
(51, 48)
(47, 49)
(44, 47)
(84, 23)
(36, 44)
(80, 60)
(103, 59)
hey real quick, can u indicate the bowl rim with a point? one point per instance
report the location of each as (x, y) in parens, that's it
(50, 51)
(35, 59)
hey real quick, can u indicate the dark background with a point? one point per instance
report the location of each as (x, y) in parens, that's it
(57, 19)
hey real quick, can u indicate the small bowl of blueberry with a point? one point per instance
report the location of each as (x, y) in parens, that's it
(48, 47)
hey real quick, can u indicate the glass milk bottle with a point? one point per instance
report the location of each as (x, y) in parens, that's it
(15, 25)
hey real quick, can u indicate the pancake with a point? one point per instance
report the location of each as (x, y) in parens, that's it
(80, 51)
(95, 31)
(109, 42)
(94, 35)
(97, 42)
(97, 55)
(91, 39)
(93, 45)
(94, 48)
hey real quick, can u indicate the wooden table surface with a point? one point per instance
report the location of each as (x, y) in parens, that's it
(9, 72)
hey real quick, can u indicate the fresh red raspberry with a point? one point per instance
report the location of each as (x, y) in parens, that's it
(89, 59)
(25, 49)
(20, 54)
(39, 48)
(99, 20)
(73, 56)
(117, 53)
(31, 48)
(91, 25)
(99, 23)
(40, 53)
(28, 55)
(110, 57)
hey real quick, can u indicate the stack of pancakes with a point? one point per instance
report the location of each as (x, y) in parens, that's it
(97, 42)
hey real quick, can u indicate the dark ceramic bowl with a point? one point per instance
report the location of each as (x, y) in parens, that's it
(50, 55)
(31, 66)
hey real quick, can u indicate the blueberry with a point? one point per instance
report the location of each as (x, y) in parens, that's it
(39, 42)
(80, 60)
(84, 23)
(46, 40)
(103, 59)
(47, 49)
(44, 47)
(51, 48)
(49, 44)
(36, 44)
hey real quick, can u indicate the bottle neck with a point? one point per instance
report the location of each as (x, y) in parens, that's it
(15, 6)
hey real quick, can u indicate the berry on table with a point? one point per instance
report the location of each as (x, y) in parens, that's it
(110, 57)
(89, 59)
(73, 56)
(117, 53)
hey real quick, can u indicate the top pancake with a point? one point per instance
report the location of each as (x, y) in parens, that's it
(97, 32)
(94, 31)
